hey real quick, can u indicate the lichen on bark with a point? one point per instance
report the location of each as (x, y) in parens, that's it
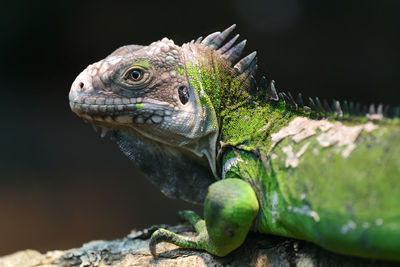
(132, 250)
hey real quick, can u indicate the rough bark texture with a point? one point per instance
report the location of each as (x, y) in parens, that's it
(132, 250)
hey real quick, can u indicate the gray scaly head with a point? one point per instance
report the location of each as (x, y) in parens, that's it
(162, 102)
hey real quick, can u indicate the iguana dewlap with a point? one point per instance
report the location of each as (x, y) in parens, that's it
(195, 121)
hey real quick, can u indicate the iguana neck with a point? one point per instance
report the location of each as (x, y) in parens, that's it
(251, 124)
(217, 83)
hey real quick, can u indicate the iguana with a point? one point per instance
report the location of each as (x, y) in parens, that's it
(201, 128)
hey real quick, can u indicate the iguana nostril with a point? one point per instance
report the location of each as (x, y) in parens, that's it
(81, 85)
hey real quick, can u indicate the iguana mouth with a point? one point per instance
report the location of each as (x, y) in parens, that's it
(136, 111)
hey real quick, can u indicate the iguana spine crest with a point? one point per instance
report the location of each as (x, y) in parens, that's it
(316, 107)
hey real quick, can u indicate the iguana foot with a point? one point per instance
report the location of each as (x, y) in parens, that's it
(197, 242)
(229, 210)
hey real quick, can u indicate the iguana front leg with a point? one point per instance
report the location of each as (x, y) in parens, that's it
(229, 211)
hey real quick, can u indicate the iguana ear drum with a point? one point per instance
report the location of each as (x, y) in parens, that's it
(183, 94)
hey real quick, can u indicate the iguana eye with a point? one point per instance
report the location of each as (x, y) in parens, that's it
(135, 75)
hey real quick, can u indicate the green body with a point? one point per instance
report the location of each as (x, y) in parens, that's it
(336, 187)
(260, 161)
(340, 203)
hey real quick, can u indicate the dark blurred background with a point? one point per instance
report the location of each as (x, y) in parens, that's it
(61, 184)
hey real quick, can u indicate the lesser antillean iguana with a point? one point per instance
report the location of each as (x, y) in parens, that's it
(201, 128)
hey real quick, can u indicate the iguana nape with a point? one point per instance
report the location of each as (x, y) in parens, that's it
(195, 121)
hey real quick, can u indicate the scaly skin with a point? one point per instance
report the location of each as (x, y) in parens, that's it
(258, 160)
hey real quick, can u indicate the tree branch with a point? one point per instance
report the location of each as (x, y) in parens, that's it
(133, 250)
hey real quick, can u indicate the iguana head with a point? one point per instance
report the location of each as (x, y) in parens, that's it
(163, 101)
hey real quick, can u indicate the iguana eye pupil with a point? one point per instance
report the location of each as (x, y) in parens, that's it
(136, 74)
(183, 94)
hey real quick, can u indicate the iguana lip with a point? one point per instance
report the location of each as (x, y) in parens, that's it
(139, 108)
(126, 113)
(95, 109)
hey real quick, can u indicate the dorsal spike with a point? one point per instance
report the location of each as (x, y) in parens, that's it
(262, 84)
(338, 109)
(312, 104)
(333, 106)
(386, 110)
(220, 38)
(394, 112)
(364, 110)
(250, 71)
(320, 108)
(282, 97)
(397, 112)
(327, 108)
(358, 109)
(198, 40)
(271, 92)
(300, 100)
(209, 38)
(391, 112)
(253, 86)
(345, 108)
(286, 98)
(291, 100)
(371, 109)
(253, 68)
(235, 52)
(228, 45)
(351, 108)
(380, 109)
(245, 63)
